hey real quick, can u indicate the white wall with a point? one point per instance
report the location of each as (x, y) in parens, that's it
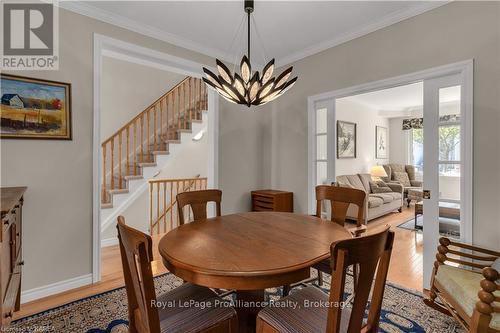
(366, 119)
(188, 162)
(399, 141)
(127, 89)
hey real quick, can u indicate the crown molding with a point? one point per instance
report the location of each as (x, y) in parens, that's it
(147, 30)
(384, 22)
(140, 28)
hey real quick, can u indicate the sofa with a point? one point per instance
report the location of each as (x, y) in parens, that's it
(378, 204)
(404, 175)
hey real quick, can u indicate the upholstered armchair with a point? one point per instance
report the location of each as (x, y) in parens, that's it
(469, 292)
(404, 175)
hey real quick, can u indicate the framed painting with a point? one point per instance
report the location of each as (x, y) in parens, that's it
(346, 139)
(34, 108)
(380, 142)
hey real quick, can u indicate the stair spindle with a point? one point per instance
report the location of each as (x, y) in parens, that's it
(154, 127)
(148, 134)
(161, 119)
(128, 151)
(142, 139)
(190, 102)
(151, 185)
(184, 91)
(120, 160)
(135, 148)
(112, 164)
(178, 109)
(104, 196)
(171, 210)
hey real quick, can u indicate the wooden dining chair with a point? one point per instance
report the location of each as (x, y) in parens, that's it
(371, 253)
(170, 313)
(198, 201)
(340, 199)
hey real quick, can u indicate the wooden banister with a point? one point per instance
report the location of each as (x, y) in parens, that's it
(145, 110)
(149, 132)
(163, 215)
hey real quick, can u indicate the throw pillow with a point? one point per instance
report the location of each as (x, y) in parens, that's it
(379, 187)
(402, 178)
(496, 266)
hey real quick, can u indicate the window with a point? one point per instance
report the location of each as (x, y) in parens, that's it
(449, 145)
(321, 158)
(416, 150)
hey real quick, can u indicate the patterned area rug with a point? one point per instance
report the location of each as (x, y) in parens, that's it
(403, 311)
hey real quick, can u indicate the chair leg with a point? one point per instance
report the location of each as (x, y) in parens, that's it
(320, 278)
(286, 290)
(431, 302)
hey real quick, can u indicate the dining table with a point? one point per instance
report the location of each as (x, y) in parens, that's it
(249, 252)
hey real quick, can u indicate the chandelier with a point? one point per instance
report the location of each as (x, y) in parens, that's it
(247, 88)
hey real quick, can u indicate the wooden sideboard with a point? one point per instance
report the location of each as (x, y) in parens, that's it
(10, 252)
(272, 200)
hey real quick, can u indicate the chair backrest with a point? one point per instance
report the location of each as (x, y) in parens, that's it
(198, 201)
(137, 254)
(366, 252)
(340, 198)
(394, 167)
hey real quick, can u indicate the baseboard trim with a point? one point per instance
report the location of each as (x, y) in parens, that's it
(109, 242)
(55, 288)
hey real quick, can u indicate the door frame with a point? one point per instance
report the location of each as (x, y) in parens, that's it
(462, 68)
(118, 49)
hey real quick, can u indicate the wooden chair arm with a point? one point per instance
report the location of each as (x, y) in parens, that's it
(487, 299)
(447, 242)
(444, 250)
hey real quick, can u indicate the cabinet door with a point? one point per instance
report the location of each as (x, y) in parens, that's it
(5, 260)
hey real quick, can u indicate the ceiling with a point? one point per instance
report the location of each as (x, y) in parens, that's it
(393, 102)
(288, 30)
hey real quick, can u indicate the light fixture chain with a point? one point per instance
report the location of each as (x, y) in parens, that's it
(260, 41)
(248, 28)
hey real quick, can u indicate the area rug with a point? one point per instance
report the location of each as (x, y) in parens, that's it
(447, 227)
(410, 224)
(403, 311)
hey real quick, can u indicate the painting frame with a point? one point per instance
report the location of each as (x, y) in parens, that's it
(66, 114)
(381, 150)
(340, 129)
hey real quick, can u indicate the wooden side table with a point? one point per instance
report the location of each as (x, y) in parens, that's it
(272, 200)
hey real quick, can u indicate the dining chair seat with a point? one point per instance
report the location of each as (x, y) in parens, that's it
(178, 317)
(305, 317)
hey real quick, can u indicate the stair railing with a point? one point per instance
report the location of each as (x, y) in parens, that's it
(133, 145)
(163, 213)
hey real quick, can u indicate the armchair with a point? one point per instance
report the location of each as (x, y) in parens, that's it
(404, 175)
(469, 292)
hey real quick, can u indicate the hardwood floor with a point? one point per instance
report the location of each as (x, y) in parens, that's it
(405, 268)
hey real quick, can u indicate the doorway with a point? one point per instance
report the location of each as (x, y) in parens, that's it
(440, 154)
(110, 48)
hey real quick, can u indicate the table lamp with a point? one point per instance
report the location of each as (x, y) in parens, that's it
(378, 171)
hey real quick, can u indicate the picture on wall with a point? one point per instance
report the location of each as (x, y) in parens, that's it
(34, 109)
(381, 142)
(346, 139)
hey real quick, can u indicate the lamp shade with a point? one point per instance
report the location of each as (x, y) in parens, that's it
(378, 171)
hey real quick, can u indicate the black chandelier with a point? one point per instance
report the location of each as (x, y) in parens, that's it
(245, 88)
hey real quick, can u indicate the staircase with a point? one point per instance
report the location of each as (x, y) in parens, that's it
(138, 151)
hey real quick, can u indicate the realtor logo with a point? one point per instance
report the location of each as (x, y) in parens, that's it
(29, 36)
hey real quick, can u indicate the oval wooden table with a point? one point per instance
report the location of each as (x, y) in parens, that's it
(249, 252)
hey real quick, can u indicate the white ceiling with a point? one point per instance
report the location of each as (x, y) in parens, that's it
(396, 101)
(289, 30)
